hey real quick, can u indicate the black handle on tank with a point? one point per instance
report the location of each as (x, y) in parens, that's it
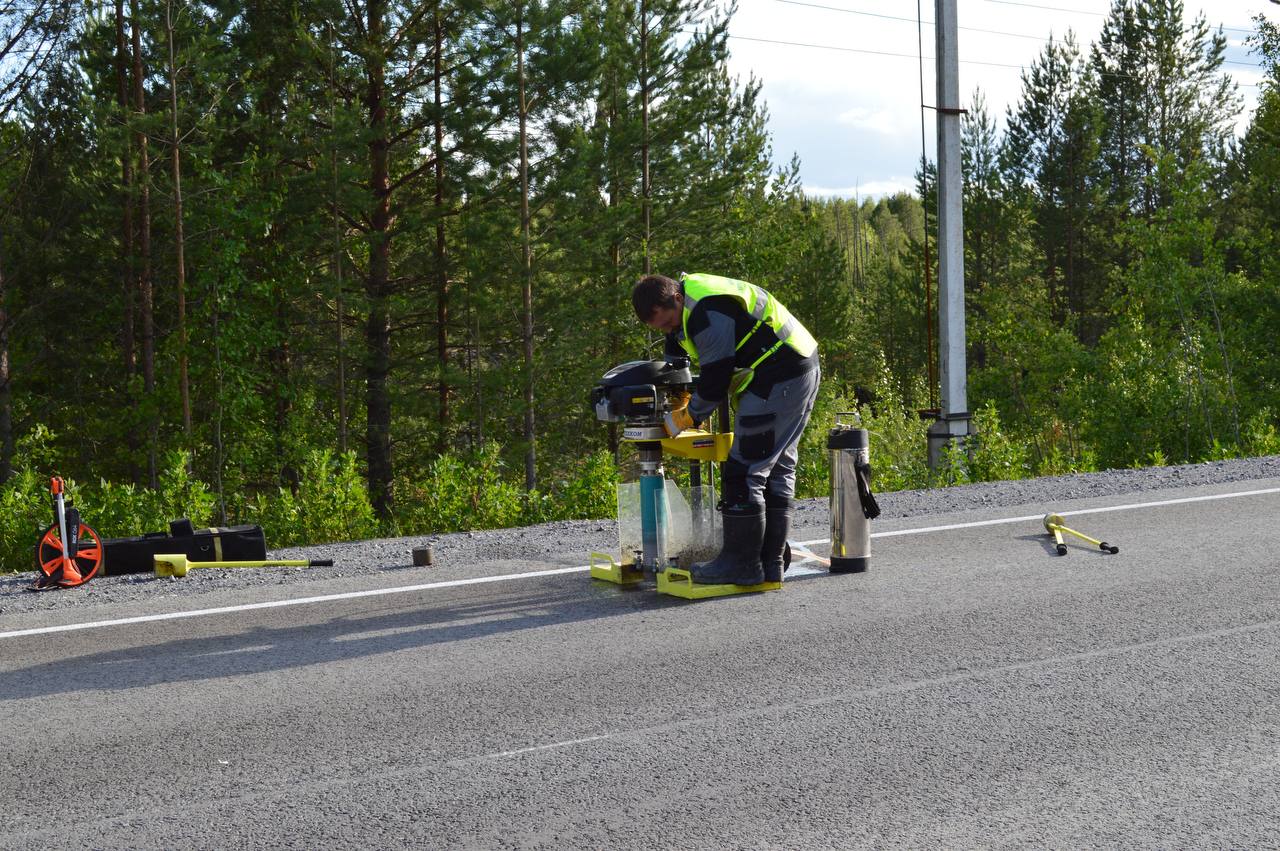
(870, 508)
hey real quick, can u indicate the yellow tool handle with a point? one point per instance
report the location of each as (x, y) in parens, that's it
(1058, 529)
(294, 562)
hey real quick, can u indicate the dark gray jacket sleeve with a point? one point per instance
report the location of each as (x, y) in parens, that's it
(715, 363)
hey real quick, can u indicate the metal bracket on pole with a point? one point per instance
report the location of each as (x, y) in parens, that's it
(945, 431)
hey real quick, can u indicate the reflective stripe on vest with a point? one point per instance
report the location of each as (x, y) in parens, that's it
(764, 308)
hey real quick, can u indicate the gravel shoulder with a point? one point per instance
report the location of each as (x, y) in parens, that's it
(569, 543)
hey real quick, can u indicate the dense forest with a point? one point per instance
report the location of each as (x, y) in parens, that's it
(352, 268)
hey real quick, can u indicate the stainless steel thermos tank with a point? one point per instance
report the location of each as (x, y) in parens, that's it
(852, 504)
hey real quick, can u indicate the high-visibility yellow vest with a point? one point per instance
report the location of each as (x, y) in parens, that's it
(762, 306)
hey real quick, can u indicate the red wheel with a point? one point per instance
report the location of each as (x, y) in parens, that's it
(89, 554)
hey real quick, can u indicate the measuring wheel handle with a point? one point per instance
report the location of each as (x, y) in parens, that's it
(1107, 548)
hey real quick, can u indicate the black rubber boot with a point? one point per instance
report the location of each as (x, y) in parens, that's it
(739, 559)
(777, 525)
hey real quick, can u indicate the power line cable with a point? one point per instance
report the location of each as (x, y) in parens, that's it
(907, 20)
(914, 56)
(1094, 14)
(967, 29)
(861, 50)
(886, 53)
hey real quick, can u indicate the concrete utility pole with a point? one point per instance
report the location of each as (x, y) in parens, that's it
(953, 423)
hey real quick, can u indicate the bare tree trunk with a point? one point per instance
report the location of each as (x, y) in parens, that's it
(128, 239)
(219, 450)
(337, 271)
(184, 386)
(146, 295)
(615, 251)
(378, 285)
(6, 398)
(644, 129)
(128, 344)
(442, 270)
(526, 251)
(282, 365)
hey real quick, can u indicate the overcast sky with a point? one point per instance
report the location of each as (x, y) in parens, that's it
(854, 117)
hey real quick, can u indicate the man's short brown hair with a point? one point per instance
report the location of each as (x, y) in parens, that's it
(652, 292)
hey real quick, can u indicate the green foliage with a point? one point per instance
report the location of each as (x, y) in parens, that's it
(898, 435)
(330, 504)
(478, 490)
(25, 513)
(472, 491)
(588, 490)
(123, 510)
(993, 454)
(953, 467)
(1061, 453)
(1260, 434)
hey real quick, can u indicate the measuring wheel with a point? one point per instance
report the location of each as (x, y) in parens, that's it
(88, 557)
(786, 557)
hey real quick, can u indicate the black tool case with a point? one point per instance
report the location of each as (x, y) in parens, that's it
(225, 543)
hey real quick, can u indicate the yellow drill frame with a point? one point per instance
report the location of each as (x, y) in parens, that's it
(695, 445)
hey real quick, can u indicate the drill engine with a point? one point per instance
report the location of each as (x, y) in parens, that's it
(640, 393)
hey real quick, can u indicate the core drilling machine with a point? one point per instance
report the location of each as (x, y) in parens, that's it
(662, 528)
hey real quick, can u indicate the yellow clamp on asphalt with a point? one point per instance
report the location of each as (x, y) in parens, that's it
(679, 583)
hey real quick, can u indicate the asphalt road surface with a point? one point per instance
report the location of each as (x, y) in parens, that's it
(972, 690)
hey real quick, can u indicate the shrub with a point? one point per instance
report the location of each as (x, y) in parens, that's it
(331, 504)
(24, 514)
(460, 492)
(1259, 434)
(993, 454)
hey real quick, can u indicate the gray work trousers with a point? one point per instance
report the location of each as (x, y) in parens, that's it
(766, 441)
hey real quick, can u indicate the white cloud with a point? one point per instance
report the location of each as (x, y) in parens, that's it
(874, 120)
(854, 116)
(871, 189)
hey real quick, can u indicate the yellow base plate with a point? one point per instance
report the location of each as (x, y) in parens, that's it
(604, 567)
(679, 583)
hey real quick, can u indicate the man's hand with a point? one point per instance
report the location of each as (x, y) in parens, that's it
(677, 421)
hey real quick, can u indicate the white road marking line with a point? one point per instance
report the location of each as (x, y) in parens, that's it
(535, 749)
(1040, 517)
(275, 604)
(481, 580)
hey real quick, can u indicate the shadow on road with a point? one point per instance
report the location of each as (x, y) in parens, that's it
(413, 625)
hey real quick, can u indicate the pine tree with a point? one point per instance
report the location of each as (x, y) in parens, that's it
(1162, 90)
(1050, 162)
